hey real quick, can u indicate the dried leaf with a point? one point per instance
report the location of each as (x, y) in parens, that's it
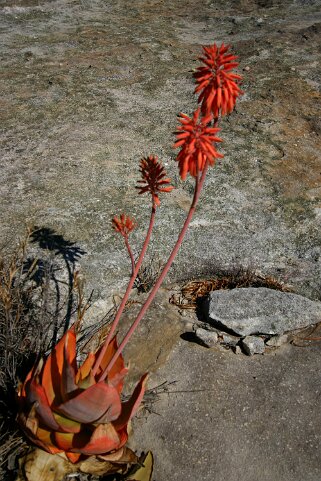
(143, 473)
(42, 466)
(38, 465)
(94, 466)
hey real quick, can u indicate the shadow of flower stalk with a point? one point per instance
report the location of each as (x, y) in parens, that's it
(75, 410)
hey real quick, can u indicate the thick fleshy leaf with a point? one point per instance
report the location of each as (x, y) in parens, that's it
(103, 440)
(117, 367)
(73, 457)
(52, 371)
(67, 425)
(130, 407)
(40, 437)
(30, 422)
(117, 380)
(68, 384)
(65, 440)
(87, 381)
(85, 368)
(45, 440)
(36, 395)
(93, 403)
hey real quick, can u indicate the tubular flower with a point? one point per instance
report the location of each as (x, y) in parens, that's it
(153, 178)
(218, 86)
(197, 142)
(66, 409)
(124, 224)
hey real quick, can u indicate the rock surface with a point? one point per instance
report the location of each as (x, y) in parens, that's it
(247, 311)
(236, 418)
(208, 338)
(90, 87)
(277, 341)
(253, 345)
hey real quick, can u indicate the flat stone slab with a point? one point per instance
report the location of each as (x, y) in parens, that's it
(247, 311)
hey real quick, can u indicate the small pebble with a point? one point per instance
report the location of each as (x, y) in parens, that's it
(208, 338)
(189, 326)
(230, 340)
(247, 68)
(277, 341)
(253, 345)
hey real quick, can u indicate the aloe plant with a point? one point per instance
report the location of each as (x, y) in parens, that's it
(64, 408)
(77, 410)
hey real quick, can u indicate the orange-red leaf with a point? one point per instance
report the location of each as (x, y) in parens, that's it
(85, 368)
(130, 407)
(103, 440)
(99, 401)
(36, 395)
(52, 371)
(65, 440)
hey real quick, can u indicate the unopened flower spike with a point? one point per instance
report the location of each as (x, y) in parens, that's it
(153, 178)
(197, 142)
(217, 85)
(124, 224)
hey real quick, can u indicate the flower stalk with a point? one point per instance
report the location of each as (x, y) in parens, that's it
(153, 181)
(128, 290)
(77, 409)
(198, 187)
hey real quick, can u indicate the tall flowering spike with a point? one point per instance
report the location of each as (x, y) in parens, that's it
(197, 142)
(216, 83)
(124, 224)
(153, 178)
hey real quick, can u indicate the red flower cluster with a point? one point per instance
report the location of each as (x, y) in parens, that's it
(153, 178)
(196, 140)
(124, 225)
(217, 84)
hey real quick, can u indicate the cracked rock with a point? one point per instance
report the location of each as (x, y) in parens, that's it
(250, 311)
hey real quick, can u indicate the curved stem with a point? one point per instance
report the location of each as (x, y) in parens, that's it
(198, 187)
(126, 295)
(130, 252)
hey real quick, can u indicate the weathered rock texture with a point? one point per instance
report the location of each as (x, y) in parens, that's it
(236, 418)
(253, 345)
(247, 311)
(89, 87)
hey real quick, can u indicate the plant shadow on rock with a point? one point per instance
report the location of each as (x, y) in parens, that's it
(37, 303)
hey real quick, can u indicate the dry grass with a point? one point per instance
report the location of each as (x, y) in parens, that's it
(148, 275)
(194, 290)
(35, 306)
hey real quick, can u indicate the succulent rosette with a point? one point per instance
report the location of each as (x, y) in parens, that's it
(68, 409)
